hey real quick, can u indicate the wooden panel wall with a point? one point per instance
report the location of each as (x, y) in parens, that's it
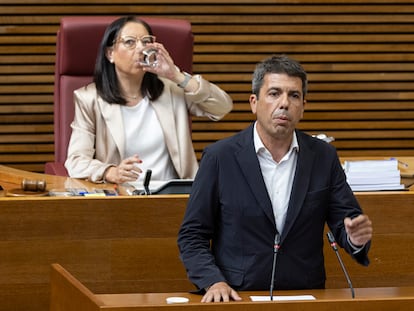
(359, 56)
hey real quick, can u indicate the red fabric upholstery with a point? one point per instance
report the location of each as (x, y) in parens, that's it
(77, 43)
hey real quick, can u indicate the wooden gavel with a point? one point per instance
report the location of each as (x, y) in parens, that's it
(33, 185)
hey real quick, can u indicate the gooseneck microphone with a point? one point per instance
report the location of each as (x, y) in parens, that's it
(332, 241)
(276, 247)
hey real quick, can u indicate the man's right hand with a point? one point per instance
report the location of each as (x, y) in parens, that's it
(220, 291)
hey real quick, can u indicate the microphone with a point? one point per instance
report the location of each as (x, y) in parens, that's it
(332, 241)
(276, 247)
(147, 180)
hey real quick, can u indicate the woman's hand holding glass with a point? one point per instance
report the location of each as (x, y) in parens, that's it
(165, 66)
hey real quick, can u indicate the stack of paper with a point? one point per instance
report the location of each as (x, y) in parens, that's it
(373, 175)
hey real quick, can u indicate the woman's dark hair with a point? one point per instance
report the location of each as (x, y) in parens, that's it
(105, 77)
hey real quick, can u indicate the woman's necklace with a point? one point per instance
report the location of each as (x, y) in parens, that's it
(133, 97)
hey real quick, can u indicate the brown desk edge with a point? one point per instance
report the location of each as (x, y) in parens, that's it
(69, 294)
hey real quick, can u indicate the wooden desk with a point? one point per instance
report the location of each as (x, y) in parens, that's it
(128, 244)
(11, 178)
(69, 294)
(123, 243)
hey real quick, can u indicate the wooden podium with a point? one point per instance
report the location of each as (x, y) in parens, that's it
(69, 294)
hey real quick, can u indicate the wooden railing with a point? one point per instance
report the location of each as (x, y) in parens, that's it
(359, 56)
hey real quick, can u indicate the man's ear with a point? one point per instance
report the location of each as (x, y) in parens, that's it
(303, 108)
(253, 103)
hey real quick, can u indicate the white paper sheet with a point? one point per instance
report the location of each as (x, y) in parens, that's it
(282, 298)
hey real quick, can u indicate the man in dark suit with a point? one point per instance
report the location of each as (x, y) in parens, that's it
(269, 180)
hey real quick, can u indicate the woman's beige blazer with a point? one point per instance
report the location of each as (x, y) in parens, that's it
(98, 142)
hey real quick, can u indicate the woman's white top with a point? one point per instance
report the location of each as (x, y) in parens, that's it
(144, 137)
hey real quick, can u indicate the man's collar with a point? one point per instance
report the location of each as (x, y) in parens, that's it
(258, 143)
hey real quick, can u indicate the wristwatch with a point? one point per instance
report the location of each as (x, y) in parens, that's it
(187, 78)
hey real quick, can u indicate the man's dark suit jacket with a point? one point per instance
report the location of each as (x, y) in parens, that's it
(229, 206)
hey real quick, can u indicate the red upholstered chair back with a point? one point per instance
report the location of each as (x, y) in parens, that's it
(77, 44)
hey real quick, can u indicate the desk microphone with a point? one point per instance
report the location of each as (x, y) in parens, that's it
(147, 180)
(276, 247)
(332, 241)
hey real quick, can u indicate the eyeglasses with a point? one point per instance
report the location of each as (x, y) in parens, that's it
(130, 42)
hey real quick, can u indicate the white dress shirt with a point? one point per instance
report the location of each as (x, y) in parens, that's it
(278, 177)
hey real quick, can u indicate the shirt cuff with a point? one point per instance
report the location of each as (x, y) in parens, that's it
(356, 249)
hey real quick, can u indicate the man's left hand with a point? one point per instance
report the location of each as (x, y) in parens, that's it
(359, 229)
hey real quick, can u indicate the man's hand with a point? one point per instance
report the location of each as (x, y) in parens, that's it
(220, 291)
(359, 229)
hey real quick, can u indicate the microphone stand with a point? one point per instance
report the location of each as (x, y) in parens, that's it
(332, 241)
(276, 247)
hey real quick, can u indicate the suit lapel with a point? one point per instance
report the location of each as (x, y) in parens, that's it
(250, 167)
(300, 183)
(165, 113)
(113, 118)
